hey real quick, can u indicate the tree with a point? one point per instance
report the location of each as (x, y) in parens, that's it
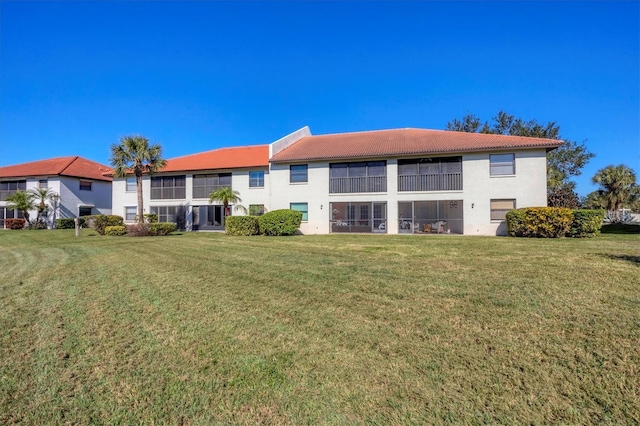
(226, 196)
(562, 163)
(593, 201)
(618, 186)
(135, 156)
(41, 196)
(23, 201)
(563, 197)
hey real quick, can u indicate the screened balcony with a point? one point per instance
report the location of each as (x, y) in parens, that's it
(430, 174)
(358, 177)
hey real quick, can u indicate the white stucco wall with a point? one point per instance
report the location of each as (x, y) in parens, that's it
(527, 187)
(72, 198)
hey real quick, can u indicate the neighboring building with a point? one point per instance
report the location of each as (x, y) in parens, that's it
(386, 181)
(81, 185)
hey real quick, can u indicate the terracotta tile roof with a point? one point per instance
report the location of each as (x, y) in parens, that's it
(223, 158)
(73, 166)
(400, 142)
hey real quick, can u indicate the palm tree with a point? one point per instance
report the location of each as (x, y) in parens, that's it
(23, 201)
(41, 196)
(226, 196)
(617, 185)
(135, 156)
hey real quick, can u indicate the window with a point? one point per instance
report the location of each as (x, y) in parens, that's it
(175, 214)
(302, 208)
(298, 173)
(203, 185)
(132, 185)
(10, 188)
(84, 211)
(430, 174)
(130, 213)
(502, 164)
(499, 208)
(43, 183)
(256, 209)
(85, 185)
(256, 179)
(358, 177)
(168, 187)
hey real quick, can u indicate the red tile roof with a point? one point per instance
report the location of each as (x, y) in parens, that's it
(400, 142)
(223, 158)
(73, 166)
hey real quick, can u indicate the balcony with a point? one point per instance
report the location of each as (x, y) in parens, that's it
(430, 182)
(339, 185)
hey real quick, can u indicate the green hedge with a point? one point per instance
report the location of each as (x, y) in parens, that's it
(241, 225)
(101, 221)
(586, 223)
(553, 222)
(151, 229)
(68, 223)
(280, 222)
(115, 231)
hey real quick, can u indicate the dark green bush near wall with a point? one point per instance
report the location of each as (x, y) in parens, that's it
(586, 223)
(241, 225)
(540, 222)
(115, 231)
(101, 221)
(280, 222)
(68, 223)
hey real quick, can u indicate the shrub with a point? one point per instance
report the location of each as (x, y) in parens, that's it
(151, 229)
(162, 228)
(115, 231)
(101, 221)
(541, 222)
(515, 222)
(37, 224)
(15, 223)
(241, 225)
(586, 223)
(69, 223)
(280, 222)
(150, 218)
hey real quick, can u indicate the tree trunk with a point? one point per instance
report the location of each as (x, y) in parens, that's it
(140, 206)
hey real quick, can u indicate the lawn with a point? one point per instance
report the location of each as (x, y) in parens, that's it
(203, 328)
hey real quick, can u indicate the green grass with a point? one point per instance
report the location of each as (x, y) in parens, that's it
(203, 328)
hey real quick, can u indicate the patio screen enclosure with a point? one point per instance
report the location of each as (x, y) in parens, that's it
(440, 216)
(358, 217)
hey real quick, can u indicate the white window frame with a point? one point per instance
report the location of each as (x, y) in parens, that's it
(131, 181)
(500, 161)
(304, 212)
(256, 181)
(127, 213)
(500, 212)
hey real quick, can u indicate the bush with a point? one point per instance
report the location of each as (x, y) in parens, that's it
(586, 223)
(541, 222)
(150, 218)
(115, 231)
(280, 222)
(515, 222)
(69, 223)
(151, 229)
(101, 221)
(241, 225)
(37, 224)
(15, 223)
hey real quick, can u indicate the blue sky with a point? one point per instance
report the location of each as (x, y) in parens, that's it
(194, 76)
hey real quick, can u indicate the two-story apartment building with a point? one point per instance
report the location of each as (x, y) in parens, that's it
(81, 185)
(386, 181)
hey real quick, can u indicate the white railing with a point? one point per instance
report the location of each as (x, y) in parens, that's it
(430, 182)
(358, 184)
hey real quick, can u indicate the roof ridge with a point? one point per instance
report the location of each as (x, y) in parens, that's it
(217, 149)
(73, 159)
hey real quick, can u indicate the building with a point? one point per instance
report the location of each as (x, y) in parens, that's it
(81, 185)
(385, 181)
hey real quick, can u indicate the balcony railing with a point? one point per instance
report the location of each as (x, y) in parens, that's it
(357, 184)
(431, 182)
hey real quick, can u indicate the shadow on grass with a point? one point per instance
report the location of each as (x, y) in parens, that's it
(621, 228)
(628, 258)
